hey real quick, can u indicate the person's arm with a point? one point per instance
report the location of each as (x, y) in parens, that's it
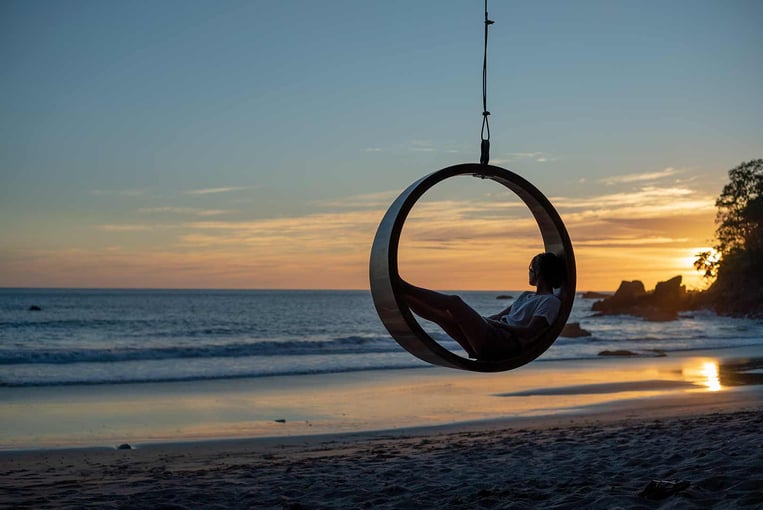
(497, 316)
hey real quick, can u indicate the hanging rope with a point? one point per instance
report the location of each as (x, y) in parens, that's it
(485, 133)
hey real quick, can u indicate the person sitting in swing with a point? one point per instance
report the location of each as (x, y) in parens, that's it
(506, 333)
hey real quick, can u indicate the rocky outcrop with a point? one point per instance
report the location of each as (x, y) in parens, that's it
(573, 330)
(669, 295)
(595, 295)
(631, 298)
(621, 352)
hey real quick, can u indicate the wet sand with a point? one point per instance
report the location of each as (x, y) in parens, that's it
(548, 436)
(603, 459)
(140, 414)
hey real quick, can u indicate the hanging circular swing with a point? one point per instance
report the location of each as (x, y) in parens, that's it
(385, 287)
(385, 279)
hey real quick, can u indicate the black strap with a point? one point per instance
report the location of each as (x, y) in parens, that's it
(485, 133)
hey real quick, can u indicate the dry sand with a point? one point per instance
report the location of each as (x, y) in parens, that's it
(601, 459)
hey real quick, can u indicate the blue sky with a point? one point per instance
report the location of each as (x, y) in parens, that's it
(257, 144)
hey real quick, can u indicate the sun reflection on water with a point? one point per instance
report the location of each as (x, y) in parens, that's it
(705, 373)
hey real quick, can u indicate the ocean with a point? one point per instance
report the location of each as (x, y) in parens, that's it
(81, 336)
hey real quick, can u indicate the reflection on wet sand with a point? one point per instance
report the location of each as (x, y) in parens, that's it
(697, 374)
(716, 376)
(703, 373)
(608, 387)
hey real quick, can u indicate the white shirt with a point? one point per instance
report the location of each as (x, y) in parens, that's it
(529, 305)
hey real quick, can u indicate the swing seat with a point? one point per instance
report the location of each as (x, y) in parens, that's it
(384, 276)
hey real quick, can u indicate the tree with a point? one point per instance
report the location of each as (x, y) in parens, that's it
(736, 262)
(739, 218)
(707, 263)
(740, 209)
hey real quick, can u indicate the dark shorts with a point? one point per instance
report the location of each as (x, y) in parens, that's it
(503, 342)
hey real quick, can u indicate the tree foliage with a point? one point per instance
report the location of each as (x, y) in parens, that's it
(740, 209)
(707, 263)
(739, 218)
(736, 262)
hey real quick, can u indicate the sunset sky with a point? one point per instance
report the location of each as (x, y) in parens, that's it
(253, 144)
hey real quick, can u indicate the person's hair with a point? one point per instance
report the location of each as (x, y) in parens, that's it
(552, 268)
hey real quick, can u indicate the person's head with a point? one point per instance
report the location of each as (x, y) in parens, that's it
(547, 267)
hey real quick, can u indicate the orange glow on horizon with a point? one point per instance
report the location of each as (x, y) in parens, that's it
(467, 237)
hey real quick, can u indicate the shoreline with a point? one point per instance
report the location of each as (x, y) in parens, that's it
(594, 434)
(620, 413)
(385, 401)
(616, 413)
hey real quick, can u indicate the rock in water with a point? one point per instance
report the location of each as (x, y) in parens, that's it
(595, 295)
(661, 304)
(573, 330)
(621, 352)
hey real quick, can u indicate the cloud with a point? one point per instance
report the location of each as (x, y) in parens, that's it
(362, 201)
(539, 157)
(384, 199)
(462, 241)
(415, 145)
(647, 202)
(636, 241)
(649, 233)
(184, 210)
(213, 212)
(125, 228)
(421, 146)
(647, 176)
(224, 189)
(117, 192)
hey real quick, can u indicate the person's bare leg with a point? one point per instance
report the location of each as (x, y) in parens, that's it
(428, 298)
(435, 310)
(458, 319)
(442, 318)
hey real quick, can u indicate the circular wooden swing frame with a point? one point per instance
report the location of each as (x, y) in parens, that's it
(385, 278)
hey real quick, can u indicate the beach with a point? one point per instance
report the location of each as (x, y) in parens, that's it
(590, 434)
(588, 462)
